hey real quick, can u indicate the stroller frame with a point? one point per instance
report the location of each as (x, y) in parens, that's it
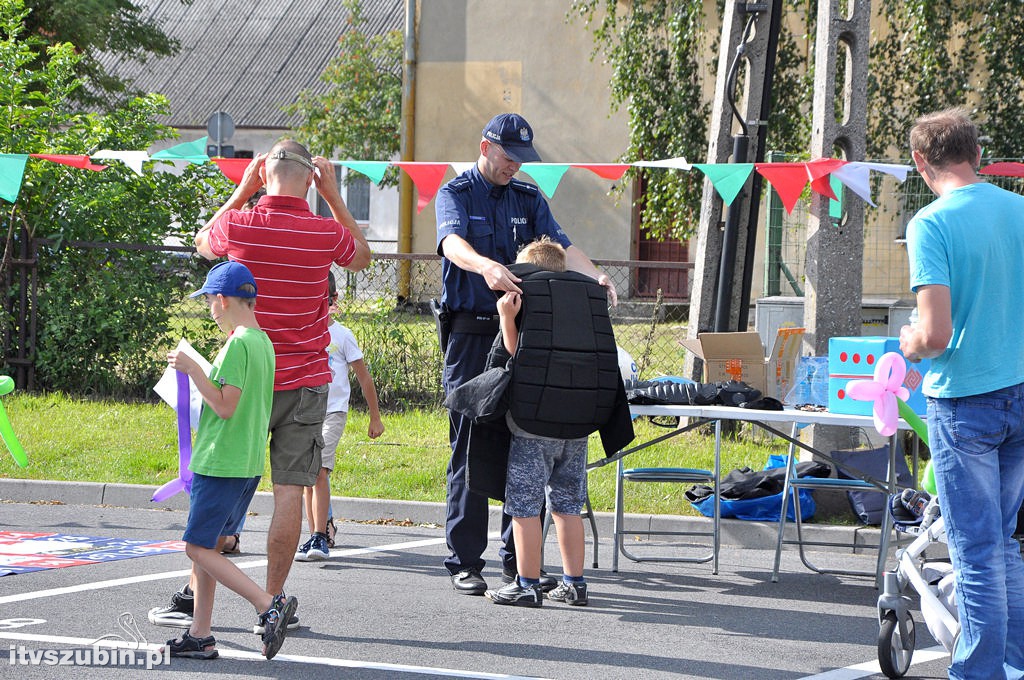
(896, 637)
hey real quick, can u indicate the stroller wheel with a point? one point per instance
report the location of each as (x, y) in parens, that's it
(895, 645)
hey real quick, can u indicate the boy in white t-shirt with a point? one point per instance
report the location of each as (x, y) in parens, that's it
(343, 354)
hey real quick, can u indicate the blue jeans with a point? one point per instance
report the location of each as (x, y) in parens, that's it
(977, 445)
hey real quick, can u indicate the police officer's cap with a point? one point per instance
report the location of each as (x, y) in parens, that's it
(514, 135)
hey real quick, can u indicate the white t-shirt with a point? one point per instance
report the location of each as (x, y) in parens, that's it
(342, 351)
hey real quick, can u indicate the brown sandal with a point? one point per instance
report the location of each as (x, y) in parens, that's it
(232, 546)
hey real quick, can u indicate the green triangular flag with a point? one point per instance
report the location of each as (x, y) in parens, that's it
(12, 170)
(546, 175)
(373, 169)
(193, 152)
(727, 178)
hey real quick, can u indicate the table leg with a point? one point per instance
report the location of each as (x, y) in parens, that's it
(717, 526)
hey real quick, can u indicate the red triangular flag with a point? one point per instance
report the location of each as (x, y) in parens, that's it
(74, 160)
(788, 180)
(819, 172)
(1004, 169)
(427, 177)
(233, 168)
(612, 171)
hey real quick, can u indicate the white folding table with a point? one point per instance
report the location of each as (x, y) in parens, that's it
(768, 420)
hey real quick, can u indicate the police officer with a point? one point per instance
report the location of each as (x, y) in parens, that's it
(484, 216)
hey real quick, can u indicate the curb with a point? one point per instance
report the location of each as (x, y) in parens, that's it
(746, 534)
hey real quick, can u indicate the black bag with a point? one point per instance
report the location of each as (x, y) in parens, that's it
(869, 506)
(484, 398)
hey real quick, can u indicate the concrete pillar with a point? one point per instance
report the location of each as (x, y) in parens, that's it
(835, 249)
(720, 147)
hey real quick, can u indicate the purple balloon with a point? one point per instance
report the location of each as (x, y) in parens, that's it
(184, 479)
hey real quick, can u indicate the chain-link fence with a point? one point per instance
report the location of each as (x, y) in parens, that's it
(886, 270)
(386, 307)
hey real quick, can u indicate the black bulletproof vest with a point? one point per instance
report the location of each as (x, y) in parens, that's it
(565, 375)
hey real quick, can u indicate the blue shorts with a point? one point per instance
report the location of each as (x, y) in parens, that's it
(217, 507)
(537, 465)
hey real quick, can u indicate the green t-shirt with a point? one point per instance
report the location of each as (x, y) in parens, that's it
(236, 447)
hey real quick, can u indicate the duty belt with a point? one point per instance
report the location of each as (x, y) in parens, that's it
(476, 324)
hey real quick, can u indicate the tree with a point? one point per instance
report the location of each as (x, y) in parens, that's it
(659, 54)
(101, 312)
(933, 55)
(119, 27)
(358, 117)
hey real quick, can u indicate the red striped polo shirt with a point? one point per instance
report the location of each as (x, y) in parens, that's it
(289, 251)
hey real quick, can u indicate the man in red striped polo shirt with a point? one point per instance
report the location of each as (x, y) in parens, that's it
(290, 251)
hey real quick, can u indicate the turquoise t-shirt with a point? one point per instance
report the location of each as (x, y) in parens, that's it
(972, 241)
(236, 447)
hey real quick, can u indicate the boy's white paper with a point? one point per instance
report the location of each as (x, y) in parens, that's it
(167, 386)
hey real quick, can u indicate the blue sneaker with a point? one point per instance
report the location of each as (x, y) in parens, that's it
(313, 550)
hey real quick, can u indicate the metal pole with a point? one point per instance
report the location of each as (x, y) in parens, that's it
(407, 151)
(723, 300)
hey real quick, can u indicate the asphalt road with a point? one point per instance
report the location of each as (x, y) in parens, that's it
(382, 607)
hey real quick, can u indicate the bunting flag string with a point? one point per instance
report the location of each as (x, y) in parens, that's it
(789, 180)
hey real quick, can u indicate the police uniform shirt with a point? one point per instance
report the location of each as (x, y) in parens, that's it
(496, 221)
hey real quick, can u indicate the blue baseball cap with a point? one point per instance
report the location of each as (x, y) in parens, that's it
(514, 135)
(227, 279)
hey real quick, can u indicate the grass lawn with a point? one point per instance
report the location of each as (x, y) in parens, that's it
(74, 439)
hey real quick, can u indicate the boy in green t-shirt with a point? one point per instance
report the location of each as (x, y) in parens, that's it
(227, 459)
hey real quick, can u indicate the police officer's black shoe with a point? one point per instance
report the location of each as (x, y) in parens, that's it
(547, 583)
(469, 582)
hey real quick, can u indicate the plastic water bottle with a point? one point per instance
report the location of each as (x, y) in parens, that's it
(812, 367)
(802, 390)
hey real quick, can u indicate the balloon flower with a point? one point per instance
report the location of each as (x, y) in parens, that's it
(184, 480)
(6, 431)
(884, 390)
(889, 395)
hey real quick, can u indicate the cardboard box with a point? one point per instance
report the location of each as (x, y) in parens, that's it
(855, 358)
(741, 356)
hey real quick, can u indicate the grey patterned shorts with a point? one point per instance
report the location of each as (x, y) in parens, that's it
(536, 465)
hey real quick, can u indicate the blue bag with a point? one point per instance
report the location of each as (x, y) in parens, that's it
(764, 508)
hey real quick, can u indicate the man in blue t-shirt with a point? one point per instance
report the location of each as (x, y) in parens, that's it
(484, 216)
(967, 268)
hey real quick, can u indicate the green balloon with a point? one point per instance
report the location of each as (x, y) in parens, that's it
(928, 483)
(13, 445)
(6, 384)
(919, 427)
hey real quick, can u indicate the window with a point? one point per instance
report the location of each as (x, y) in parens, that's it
(357, 198)
(356, 192)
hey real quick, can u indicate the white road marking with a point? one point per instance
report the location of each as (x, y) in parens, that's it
(289, 658)
(236, 654)
(184, 573)
(867, 669)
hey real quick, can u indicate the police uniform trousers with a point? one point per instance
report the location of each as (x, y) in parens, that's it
(467, 511)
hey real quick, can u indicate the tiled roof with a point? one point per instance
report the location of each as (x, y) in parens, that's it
(246, 58)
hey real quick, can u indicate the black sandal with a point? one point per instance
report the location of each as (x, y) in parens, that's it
(190, 647)
(332, 531)
(232, 546)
